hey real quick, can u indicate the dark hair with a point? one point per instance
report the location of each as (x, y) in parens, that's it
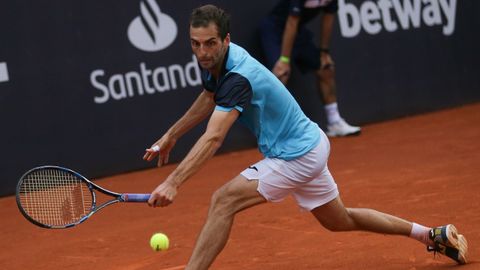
(204, 15)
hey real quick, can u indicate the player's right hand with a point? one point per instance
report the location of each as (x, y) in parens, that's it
(163, 195)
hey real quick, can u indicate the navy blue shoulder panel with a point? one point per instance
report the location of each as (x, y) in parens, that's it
(233, 90)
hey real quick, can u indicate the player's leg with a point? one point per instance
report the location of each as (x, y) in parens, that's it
(445, 239)
(231, 198)
(320, 195)
(335, 217)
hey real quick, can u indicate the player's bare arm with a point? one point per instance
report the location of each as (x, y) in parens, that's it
(282, 67)
(200, 109)
(218, 126)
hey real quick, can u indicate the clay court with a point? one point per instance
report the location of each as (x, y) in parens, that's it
(423, 168)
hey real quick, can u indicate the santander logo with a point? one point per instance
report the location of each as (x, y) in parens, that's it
(153, 30)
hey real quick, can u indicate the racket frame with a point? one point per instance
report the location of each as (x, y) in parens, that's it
(117, 197)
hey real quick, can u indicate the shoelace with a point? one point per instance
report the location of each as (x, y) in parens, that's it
(442, 249)
(432, 249)
(436, 248)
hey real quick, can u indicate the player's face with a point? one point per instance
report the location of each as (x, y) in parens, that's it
(208, 47)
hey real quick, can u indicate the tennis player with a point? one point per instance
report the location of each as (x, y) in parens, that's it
(296, 150)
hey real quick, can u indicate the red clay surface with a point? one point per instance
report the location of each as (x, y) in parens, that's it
(424, 168)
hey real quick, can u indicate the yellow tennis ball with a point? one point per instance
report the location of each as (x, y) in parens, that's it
(159, 242)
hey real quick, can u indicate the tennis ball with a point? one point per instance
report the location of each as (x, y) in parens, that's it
(159, 242)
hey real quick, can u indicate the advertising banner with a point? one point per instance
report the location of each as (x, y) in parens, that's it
(90, 84)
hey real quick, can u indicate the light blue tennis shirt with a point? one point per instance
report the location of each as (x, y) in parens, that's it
(266, 106)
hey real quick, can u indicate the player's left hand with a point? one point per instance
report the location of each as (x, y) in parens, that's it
(163, 195)
(160, 148)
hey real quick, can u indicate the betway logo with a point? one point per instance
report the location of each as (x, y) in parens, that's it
(144, 81)
(373, 17)
(152, 30)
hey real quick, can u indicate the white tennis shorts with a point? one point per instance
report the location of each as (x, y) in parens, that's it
(306, 178)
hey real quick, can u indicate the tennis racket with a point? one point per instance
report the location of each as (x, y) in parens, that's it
(55, 197)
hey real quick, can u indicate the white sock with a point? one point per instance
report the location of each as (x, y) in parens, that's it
(421, 233)
(333, 115)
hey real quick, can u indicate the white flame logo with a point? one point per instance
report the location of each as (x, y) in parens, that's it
(152, 30)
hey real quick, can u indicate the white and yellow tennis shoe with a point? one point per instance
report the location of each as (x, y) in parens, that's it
(448, 242)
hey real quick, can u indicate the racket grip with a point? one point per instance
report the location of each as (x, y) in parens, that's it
(135, 197)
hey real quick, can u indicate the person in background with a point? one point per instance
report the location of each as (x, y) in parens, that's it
(286, 40)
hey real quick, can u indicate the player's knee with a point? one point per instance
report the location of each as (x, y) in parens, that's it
(335, 226)
(223, 202)
(338, 223)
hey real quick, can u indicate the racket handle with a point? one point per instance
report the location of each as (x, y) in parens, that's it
(135, 197)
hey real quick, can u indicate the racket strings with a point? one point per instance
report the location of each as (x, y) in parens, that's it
(55, 197)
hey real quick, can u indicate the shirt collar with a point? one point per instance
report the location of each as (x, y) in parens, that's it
(223, 69)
